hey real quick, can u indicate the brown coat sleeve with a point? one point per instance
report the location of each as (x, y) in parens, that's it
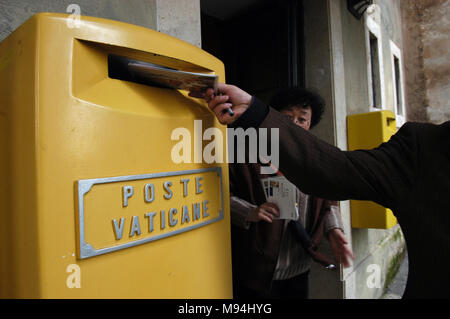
(383, 175)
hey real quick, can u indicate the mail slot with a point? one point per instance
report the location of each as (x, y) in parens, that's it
(367, 131)
(92, 203)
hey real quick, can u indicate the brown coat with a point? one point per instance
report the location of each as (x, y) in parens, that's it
(255, 250)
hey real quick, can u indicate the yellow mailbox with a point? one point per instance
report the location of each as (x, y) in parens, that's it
(92, 203)
(366, 131)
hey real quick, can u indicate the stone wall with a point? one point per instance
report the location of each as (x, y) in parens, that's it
(15, 13)
(426, 41)
(336, 65)
(373, 248)
(324, 284)
(178, 18)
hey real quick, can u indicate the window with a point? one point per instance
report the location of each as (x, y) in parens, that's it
(374, 65)
(375, 71)
(397, 79)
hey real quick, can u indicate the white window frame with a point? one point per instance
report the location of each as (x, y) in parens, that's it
(397, 53)
(372, 27)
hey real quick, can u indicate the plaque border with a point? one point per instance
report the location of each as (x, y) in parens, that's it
(86, 250)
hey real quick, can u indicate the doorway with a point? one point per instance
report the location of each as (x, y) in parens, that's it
(259, 41)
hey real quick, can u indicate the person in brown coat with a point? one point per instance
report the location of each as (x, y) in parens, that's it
(410, 174)
(269, 259)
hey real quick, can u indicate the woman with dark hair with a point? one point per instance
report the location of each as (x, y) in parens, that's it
(271, 256)
(287, 98)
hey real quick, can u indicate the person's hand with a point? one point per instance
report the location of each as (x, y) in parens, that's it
(339, 245)
(266, 212)
(231, 97)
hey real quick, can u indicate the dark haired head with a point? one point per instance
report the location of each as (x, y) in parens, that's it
(300, 97)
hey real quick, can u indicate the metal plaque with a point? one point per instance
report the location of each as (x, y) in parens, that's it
(121, 212)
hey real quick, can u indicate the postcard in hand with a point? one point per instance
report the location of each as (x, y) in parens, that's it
(283, 193)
